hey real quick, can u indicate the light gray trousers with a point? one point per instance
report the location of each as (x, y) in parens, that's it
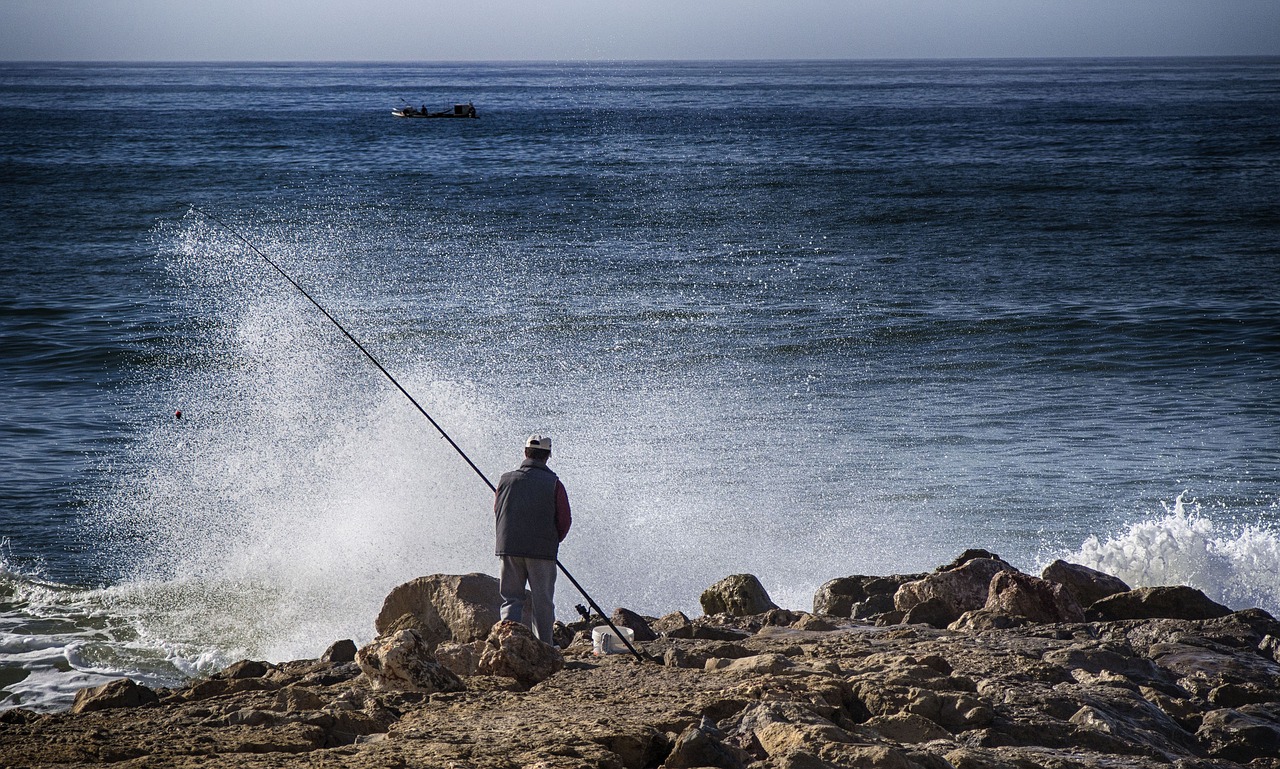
(540, 573)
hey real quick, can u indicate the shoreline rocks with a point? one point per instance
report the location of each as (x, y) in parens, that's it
(1048, 671)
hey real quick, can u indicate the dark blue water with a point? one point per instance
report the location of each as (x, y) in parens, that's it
(801, 319)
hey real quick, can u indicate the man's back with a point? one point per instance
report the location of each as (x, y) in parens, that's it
(525, 507)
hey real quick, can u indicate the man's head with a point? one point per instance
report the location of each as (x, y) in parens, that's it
(538, 447)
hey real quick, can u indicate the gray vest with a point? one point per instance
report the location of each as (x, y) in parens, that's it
(526, 511)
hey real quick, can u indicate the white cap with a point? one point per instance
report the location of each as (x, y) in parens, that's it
(538, 442)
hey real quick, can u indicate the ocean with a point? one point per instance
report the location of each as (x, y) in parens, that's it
(797, 319)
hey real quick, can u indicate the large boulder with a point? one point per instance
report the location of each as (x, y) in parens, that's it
(1014, 594)
(443, 607)
(740, 595)
(952, 590)
(402, 662)
(1084, 584)
(1169, 602)
(511, 650)
(859, 595)
(121, 693)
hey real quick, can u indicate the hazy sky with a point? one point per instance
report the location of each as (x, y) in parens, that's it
(430, 30)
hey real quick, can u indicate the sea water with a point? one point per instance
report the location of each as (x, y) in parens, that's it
(798, 319)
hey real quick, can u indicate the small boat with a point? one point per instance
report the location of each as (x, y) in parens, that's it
(459, 110)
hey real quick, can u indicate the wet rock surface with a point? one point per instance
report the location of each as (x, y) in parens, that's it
(772, 689)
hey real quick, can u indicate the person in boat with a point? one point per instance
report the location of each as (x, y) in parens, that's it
(531, 511)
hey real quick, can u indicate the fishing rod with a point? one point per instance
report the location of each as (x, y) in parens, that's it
(233, 231)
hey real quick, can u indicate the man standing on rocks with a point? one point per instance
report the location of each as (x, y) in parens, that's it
(532, 511)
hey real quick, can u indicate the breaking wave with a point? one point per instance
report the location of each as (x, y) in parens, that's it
(1236, 564)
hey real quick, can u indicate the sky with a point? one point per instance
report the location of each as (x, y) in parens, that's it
(543, 30)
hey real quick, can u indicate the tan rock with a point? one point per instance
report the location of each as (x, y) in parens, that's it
(701, 747)
(511, 651)
(446, 607)
(865, 756)
(760, 664)
(954, 591)
(779, 738)
(739, 595)
(1084, 584)
(402, 662)
(461, 658)
(121, 693)
(1015, 594)
(908, 728)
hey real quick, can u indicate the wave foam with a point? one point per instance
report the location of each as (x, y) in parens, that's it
(1237, 564)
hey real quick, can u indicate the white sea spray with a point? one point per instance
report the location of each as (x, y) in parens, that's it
(1237, 564)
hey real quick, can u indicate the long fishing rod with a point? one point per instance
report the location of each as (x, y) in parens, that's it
(233, 231)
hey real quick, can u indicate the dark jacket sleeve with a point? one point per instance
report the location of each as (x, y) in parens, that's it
(563, 518)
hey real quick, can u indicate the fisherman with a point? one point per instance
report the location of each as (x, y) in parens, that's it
(531, 508)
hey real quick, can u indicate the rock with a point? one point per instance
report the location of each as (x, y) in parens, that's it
(839, 596)
(1098, 658)
(638, 625)
(447, 607)
(972, 554)
(791, 734)
(120, 693)
(760, 664)
(934, 611)
(292, 699)
(813, 622)
(1200, 670)
(340, 651)
(563, 634)
(780, 738)
(1137, 694)
(698, 746)
(19, 716)
(244, 669)
(462, 659)
(512, 651)
(866, 757)
(874, 605)
(1084, 584)
(216, 687)
(1172, 602)
(778, 617)
(1015, 594)
(668, 623)
(637, 748)
(740, 595)
(697, 655)
(955, 590)
(908, 728)
(1234, 736)
(983, 620)
(700, 631)
(402, 662)
(251, 717)
(1269, 647)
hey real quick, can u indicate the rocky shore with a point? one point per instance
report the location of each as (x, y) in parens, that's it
(973, 665)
